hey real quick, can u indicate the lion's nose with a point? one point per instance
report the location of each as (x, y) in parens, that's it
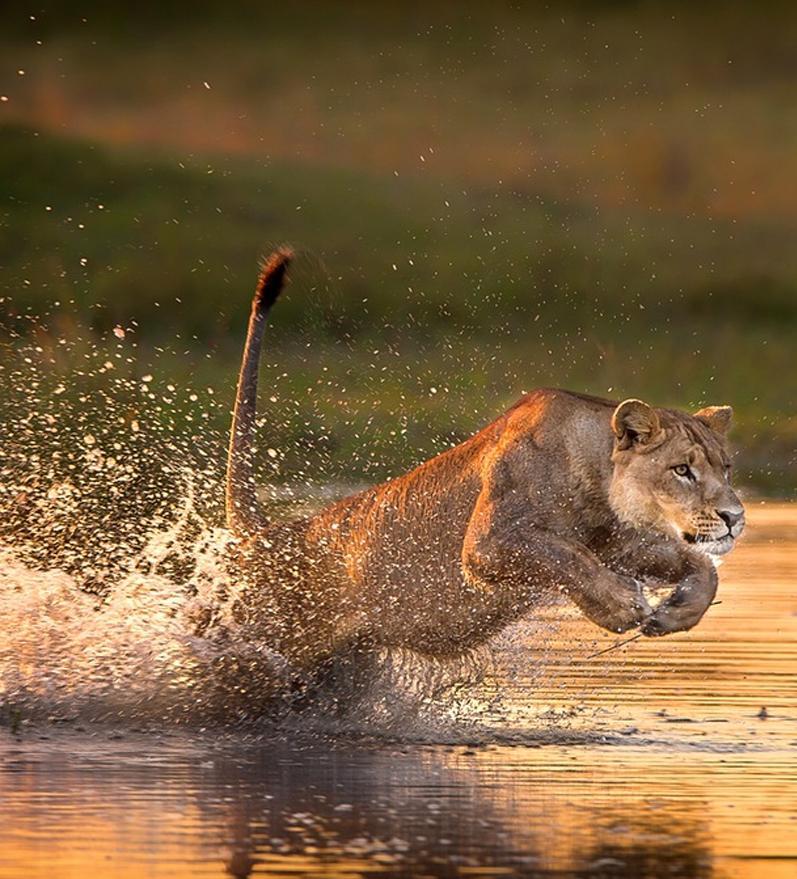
(732, 519)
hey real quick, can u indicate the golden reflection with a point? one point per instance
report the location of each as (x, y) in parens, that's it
(652, 760)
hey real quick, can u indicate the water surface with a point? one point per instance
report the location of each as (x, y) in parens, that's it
(666, 757)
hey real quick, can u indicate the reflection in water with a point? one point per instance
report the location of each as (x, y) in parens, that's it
(293, 810)
(651, 760)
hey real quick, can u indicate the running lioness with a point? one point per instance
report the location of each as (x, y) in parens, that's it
(562, 493)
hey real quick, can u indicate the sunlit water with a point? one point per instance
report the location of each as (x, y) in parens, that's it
(654, 759)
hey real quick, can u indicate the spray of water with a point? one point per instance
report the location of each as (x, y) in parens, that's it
(116, 582)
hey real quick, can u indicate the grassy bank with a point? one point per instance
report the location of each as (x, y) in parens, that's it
(485, 200)
(372, 368)
(483, 305)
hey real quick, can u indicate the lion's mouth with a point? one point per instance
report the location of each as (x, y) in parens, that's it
(710, 545)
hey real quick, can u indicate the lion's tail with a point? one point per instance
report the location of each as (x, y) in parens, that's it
(243, 512)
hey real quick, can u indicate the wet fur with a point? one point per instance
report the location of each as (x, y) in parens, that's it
(564, 493)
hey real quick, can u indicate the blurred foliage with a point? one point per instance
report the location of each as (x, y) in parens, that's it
(486, 199)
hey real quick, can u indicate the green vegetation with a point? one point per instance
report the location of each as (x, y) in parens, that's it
(476, 216)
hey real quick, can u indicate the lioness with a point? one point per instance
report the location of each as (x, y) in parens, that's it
(564, 492)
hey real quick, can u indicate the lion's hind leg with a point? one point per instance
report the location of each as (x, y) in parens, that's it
(337, 682)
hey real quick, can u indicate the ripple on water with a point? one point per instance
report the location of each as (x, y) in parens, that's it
(532, 759)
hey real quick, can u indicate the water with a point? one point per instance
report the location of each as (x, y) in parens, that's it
(666, 757)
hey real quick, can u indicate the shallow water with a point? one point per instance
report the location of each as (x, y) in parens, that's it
(655, 759)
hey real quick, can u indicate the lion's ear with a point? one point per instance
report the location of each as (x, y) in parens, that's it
(718, 418)
(634, 422)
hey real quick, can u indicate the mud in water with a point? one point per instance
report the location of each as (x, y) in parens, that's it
(666, 757)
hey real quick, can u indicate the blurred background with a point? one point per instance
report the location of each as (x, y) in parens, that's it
(486, 198)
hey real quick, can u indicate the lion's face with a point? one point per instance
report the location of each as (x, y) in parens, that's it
(672, 473)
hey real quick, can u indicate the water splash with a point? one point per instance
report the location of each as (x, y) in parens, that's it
(116, 581)
(153, 649)
(134, 653)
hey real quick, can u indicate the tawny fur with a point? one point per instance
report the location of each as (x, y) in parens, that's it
(563, 493)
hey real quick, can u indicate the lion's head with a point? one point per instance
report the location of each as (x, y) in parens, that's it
(672, 473)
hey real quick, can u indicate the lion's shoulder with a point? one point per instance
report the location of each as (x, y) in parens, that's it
(550, 413)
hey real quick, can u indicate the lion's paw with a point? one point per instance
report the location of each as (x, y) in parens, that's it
(670, 617)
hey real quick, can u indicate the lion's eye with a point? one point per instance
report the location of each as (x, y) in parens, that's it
(683, 470)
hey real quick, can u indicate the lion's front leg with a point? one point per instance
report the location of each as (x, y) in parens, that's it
(521, 561)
